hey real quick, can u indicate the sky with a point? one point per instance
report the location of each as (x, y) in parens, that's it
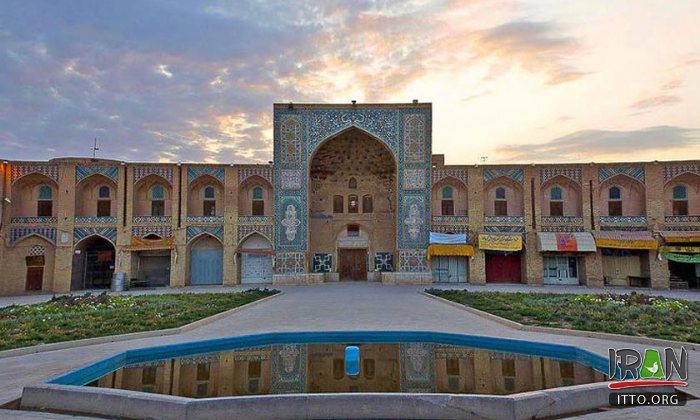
(510, 81)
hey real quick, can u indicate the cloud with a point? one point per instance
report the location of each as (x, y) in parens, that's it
(534, 46)
(587, 144)
(656, 101)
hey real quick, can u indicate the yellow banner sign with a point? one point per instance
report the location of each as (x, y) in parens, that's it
(450, 250)
(681, 249)
(682, 239)
(500, 242)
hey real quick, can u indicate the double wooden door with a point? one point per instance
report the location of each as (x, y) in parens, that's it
(503, 268)
(352, 264)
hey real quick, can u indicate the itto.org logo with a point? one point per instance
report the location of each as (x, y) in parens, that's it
(634, 369)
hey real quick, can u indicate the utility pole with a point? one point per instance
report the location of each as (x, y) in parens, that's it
(94, 150)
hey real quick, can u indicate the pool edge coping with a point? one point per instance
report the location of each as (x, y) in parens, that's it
(563, 331)
(62, 345)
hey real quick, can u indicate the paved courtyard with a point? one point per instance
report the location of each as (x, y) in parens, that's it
(328, 307)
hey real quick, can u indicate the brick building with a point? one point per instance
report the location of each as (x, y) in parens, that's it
(354, 194)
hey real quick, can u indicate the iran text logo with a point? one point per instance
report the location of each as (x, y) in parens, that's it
(647, 370)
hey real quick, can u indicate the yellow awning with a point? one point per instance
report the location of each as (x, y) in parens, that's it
(679, 249)
(625, 240)
(450, 249)
(501, 241)
(673, 237)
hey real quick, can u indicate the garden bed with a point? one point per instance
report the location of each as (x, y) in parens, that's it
(75, 317)
(633, 314)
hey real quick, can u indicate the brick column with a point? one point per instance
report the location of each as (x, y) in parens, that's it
(532, 259)
(654, 183)
(123, 257)
(63, 263)
(475, 211)
(178, 257)
(230, 226)
(592, 261)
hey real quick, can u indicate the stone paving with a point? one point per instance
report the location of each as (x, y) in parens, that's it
(328, 307)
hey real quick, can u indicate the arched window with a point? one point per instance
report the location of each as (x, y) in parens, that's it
(258, 205)
(680, 200)
(447, 203)
(556, 201)
(104, 204)
(44, 205)
(352, 184)
(614, 201)
(157, 200)
(501, 203)
(352, 204)
(367, 204)
(209, 202)
(338, 204)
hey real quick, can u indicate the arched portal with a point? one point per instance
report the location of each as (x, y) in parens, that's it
(352, 183)
(206, 261)
(256, 259)
(93, 264)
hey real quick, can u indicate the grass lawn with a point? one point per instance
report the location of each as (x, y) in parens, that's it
(635, 314)
(75, 317)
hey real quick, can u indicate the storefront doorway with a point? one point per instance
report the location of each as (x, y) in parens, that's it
(561, 270)
(503, 267)
(450, 269)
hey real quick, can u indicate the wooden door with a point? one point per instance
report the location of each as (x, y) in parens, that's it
(352, 264)
(206, 266)
(35, 278)
(502, 268)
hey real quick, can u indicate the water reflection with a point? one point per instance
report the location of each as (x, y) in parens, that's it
(320, 368)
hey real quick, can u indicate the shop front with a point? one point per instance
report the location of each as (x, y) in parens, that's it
(449, 257)
(562, 255)
(682, 250)
(503, 256)
(626, 257)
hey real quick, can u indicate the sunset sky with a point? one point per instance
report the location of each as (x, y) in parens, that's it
(517, 81)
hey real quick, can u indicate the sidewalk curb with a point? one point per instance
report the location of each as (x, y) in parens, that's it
(41, 348)
(562, 331)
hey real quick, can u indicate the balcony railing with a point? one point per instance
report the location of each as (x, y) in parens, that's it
(205, 220)
(33, 220)
(95, 220)
(682, 219)
(561, 220)
(255, 220)
(152, 220)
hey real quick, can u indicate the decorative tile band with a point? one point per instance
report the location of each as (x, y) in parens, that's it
(453, 220)
(438, 175)
(215, 231)
(165, 172)
(95, 220)
(682, 219)
(152, 220)
(290, 179)
(572, 173)
(562, 228)
(561, 220)
(109, 233)
(413, 179)
(672, 171)
(246, 172)
(607, 172)
(160, 231)
(82, 172)
(413, 260)
(255, 220)
(684, 228)
(450, 224)
(624, 228)
(194, 172)
(265, 230)
(21, 169)
(21, 232)
(623, 220)
(384, 262)
(504, 229)
(33, 220)
(207, 220)
(504, 220)
(515, 174)
(289, 262)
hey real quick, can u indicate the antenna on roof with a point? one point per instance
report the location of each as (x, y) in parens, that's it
(94, 150)
(484, 159)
